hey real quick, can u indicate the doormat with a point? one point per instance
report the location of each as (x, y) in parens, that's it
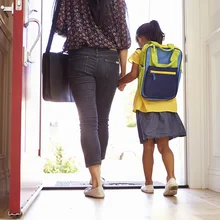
(106, 185)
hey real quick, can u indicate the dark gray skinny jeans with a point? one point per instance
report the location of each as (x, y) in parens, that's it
(93, 76)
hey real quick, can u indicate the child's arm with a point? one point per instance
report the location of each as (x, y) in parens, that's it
(130, 76)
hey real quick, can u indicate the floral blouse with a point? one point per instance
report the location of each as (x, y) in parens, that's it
(75, 22)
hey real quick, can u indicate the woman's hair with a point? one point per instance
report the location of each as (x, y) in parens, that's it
(151, 31)
(100, 11)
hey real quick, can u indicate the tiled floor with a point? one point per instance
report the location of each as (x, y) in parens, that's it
(125, 205)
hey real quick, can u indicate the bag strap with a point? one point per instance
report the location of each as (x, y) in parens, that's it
(53, 26)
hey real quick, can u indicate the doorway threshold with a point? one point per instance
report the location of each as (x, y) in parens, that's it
(68, 185)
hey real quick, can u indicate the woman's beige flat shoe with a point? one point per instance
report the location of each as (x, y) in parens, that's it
(97, 192)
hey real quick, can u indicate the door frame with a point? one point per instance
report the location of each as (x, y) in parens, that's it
(197, 30)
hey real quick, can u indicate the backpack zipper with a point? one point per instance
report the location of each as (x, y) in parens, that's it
(162, 72)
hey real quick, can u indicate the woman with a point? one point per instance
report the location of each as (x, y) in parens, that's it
(97, 40)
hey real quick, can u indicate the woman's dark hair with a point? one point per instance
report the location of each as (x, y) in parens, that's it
(100, 11)
(151, 31)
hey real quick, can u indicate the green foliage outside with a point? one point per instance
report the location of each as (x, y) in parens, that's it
(60, 164)
(131, 124)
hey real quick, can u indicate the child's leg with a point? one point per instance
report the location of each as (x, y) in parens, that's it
(168, 160)
(167, 156)
(148, 160)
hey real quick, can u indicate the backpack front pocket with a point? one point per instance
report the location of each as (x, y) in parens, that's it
(160, 83)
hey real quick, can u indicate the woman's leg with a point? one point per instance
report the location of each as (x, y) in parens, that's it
(148, 161)
(86, 106)
(167, 156)
(83, 86)
(107, 81)
(103, 107)
(95, 172)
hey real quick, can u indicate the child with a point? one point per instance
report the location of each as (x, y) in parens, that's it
(157, 121)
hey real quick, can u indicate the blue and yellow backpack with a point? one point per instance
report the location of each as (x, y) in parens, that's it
(160, 71)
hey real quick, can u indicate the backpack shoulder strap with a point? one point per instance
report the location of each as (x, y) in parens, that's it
(145, 54)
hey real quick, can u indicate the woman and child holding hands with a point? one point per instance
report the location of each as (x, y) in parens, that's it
(97, 40)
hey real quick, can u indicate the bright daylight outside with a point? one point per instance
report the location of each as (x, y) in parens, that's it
(61, 149)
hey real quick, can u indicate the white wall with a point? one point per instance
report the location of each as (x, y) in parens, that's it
(213, 73)
(202, 92)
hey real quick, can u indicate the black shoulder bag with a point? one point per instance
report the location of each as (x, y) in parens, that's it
(54, 68)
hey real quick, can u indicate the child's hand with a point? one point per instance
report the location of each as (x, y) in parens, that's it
(121, 75)
(121, 87)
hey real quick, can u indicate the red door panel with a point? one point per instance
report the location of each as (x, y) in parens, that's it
(25, 162)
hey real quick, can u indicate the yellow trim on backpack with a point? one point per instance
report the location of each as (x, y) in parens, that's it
(162, 72)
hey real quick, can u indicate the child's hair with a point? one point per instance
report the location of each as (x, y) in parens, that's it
(151, 31)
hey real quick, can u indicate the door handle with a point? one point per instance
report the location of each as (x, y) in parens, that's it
(29, 52)
(18, 7)
(8, 9)
(31, 11)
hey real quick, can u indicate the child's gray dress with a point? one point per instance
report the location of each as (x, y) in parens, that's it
(159, 124)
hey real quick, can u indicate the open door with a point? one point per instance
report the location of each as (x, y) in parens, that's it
(25, 163)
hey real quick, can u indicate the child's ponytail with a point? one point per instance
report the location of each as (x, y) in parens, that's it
(156, 32)
(151, 31)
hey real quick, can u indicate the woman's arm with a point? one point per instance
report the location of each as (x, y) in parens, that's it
(123, 61)
(123, 38)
